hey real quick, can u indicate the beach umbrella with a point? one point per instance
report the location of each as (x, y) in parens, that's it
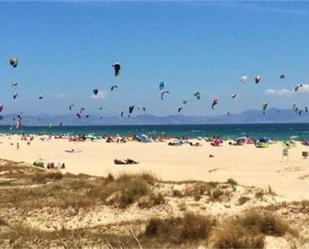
(117, 69)
(197, 95)
(244, 79)
(257, 79)
(113, 87)
(214, 103)
(163, 93)
(13, 61)
(179, 109)
(161, 86)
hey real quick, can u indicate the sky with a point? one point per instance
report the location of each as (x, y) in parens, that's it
(66, 49)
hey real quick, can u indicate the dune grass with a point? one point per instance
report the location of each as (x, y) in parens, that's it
(249, 230)
(190, 227)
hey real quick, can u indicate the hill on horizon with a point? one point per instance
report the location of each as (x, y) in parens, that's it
(247, 117)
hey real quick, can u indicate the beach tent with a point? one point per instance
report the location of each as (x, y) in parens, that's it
(264, 140)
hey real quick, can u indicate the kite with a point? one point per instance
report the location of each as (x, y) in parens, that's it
(14, 84)
(41, 97)
(113, 87)
(78, 115)
(257, 79)
(15, 96)
(244, 79)
(234, 96)
(95, 91)
(81, 110)
(1, 107)
(131, 108)
(214, 103)
(117, 68)
(184, 102)
(282, 76)
(122, 113)
(71, 106)
(264, 107)
(297, 87)
(197, 95)
(164, 92)
(179, 109)
(13, 62)
(161, 86)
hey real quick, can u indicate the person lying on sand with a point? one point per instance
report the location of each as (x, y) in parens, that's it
(73, 151)
(124, 162)
(197, 144)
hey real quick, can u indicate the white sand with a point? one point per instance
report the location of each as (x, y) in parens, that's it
(246, 164)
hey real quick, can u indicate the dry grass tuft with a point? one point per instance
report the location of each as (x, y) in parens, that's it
(124, 190)
(249, 230)
(43, 177)
(178, 230)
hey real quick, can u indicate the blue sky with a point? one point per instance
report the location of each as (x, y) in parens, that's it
(66, 49)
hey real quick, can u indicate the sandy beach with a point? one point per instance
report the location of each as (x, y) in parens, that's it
(248, 165)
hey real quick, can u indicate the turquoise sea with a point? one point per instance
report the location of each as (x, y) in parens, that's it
(274, 131)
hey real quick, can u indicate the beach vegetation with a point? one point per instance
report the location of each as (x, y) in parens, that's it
(249, 230)
(233, 183)
(43, 176)
(178, 230)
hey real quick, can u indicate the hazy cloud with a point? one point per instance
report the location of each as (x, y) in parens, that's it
(288, 92)
(59, 95)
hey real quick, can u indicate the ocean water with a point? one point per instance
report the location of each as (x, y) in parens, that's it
(274, 131)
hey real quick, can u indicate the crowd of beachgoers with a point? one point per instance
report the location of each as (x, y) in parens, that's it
(171, 141)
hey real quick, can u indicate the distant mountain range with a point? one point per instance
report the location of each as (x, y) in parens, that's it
(246, 117)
